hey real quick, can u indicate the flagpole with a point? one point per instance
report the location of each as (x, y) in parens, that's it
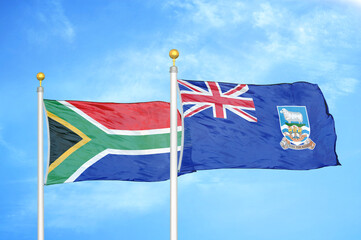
(173, 148)
(40, 76)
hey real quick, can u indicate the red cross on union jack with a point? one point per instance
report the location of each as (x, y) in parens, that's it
(214, 98)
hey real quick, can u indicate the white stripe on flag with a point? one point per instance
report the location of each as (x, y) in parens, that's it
(102, 154)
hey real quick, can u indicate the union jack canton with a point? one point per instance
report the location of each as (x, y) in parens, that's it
(213, 96)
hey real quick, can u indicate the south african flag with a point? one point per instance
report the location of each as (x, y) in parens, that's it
(108, 141)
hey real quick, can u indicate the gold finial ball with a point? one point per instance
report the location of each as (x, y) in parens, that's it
(173, 53)
(40, 76)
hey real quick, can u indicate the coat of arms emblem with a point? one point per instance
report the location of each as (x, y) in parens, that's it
(295, 128)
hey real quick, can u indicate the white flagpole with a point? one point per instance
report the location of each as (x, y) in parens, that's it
(40, 76)
(173, 148)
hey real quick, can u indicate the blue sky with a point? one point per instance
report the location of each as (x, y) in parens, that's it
(118, 51)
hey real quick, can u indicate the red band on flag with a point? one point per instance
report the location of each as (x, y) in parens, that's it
(128, 116)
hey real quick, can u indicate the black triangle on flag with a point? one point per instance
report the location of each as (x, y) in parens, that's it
(61, 139)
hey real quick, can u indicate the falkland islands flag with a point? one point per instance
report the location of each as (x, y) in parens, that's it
(108, 141)
(281, 126)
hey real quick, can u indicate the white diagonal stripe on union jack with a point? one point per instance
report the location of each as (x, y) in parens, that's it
(214, 98)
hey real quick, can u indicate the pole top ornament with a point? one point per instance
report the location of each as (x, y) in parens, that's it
(40, 76)
(173, 54)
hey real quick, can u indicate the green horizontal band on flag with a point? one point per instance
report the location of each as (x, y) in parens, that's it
(99, 141)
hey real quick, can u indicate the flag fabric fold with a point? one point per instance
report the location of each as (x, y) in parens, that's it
(108, 141)
(281, 126)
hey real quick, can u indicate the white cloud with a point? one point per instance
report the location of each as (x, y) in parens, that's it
(53, 22)
(282, 36)
(338, 87)
(84, 205)
(356, 3)
(266, 16)
(249, 44)
(211, 13)
(314, 44)
(349, 85)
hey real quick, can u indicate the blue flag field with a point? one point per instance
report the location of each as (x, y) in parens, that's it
(281, 126)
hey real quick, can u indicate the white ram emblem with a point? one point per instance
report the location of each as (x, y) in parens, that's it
(295, 128)
(292, 116)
